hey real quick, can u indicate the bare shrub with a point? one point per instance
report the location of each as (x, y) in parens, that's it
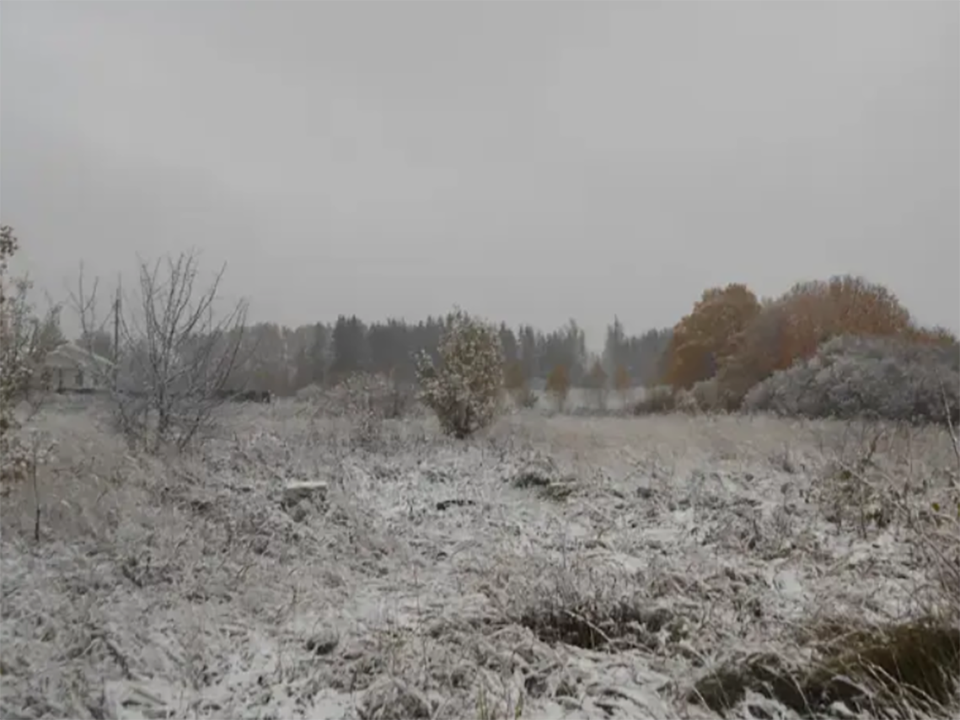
(361, 393)
(367, 400)
(464, 391)
(391, 398)
(176, 354)
(866, 377)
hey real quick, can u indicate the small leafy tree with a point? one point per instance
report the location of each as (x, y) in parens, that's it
(513, 377)
(13, 371)
(704, 339)
(515, 382)
(558, 385)
(25, 340)
(464, 388)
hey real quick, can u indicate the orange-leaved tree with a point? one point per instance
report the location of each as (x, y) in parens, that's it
(513, 376)
(931, 336)
(515, 383)
(558, 385)
(703, 339)
(818, 311)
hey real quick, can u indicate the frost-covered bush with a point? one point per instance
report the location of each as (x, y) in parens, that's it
(465, 389)
(866, 377)
(311, 393)
(706, 395)
(686, 402)
(362, 394)
(364, 399)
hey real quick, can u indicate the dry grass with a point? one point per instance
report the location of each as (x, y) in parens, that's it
(690, 566)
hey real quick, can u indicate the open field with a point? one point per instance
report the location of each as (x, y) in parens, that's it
(554, 567)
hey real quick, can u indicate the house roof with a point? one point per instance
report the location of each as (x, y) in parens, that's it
(72, 355)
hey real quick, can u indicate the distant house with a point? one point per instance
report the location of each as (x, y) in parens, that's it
(70, 368)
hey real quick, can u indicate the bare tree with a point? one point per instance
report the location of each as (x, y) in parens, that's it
(174, 351)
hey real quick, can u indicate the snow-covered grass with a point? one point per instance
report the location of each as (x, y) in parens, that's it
(585, 401)
(556, 567)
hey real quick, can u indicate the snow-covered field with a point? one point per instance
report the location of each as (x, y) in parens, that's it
(561, 567)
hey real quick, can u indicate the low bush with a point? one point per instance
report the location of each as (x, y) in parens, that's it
(706, 395)
(882, 378)
(464, 389)
(360, 394)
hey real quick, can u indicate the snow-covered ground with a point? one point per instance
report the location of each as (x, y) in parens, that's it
(561, 567)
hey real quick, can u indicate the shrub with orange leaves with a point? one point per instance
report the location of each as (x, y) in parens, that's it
(704, 339)
(621, 383)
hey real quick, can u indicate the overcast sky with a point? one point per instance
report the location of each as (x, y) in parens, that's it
(528, 161)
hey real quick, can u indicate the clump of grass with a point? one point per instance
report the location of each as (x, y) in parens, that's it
(887, 672)
(597, 625)
(765, 674)
(588, 603)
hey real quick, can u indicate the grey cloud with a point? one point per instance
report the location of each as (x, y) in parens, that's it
(531, 162)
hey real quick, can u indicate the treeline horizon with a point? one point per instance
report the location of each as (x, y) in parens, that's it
(730, 336)
(285, 360)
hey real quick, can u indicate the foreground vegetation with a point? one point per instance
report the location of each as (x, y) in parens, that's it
(309, 561)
